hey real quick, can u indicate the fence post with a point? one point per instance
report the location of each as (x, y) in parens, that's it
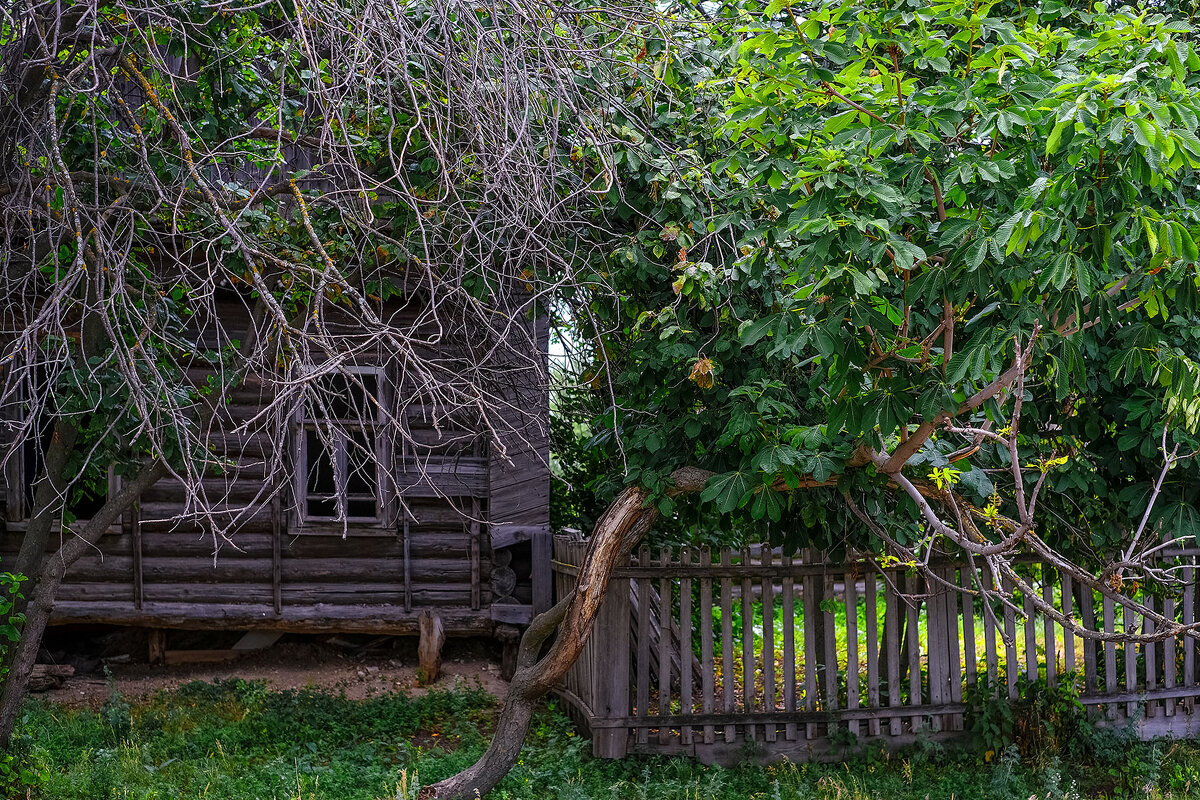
(610, 680)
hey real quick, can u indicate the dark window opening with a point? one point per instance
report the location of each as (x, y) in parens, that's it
(84, 502)
(341, 465)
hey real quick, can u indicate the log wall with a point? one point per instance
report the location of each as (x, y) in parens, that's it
(262, 567)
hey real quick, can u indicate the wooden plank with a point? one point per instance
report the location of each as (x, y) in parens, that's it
(789, 649)
(1091, 676)
(1031, 654)
(851, 596)
(966, 581)
(1189, 646)
(936, 644)
(872, 620)
(1049, 638)
(685, 646)
(1130, 620)
(809, 604)
(768, 646)
(891, 626)
(610, 685)
(727, 673)
(1068, 601)
(952, 629)
(665, 591)
(912, 612)
(1012, 664)
(831, 652)
(707, 663)
(1170, 667)
(1110, 656)
(642, 696)
(748, 664)
(991, 661)
(1148, 649)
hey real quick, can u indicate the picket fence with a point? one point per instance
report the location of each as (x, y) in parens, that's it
(725, 655)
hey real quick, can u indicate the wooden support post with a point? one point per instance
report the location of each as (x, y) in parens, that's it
(429, 650)
(135, 530)
(510, 643)
(157, 646)
(276, 555)
(473, 535)
(610, 690)
(404, 537)
(542, 574)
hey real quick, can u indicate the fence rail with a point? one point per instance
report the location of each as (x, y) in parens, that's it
(722, 654)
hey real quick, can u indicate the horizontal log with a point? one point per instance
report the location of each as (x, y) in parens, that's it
(424, 594)
(351, 571)
(385, 619)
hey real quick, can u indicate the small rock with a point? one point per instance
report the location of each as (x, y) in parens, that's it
(372, 670)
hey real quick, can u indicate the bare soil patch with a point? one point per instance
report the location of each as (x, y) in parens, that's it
(337, 664)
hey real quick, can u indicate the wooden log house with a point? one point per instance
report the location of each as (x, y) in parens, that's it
(442, 524)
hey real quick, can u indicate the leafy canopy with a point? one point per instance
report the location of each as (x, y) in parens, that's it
(853, 214)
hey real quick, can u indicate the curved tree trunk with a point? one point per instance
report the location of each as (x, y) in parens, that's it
(617, 532)
(45, 587)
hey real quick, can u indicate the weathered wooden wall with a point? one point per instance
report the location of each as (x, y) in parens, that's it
(162, 567)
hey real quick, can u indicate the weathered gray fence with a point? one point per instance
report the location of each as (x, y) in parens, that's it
(724, 654)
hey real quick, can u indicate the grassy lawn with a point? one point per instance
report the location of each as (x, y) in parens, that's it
(240, 741)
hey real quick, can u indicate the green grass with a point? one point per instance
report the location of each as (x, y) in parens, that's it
(239, 741)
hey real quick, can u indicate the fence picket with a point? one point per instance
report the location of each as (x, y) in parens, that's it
(664, 644)
(808, 600)
(1130, 620)
(643, 647)
(1068, 636)
(727, 672)
(748, 664)
(912, 615)
(891, 625)
(1048, 634)
(1149, 653)
(768, 646)
(1169, 665)
(954, 665)
(685, 646)
(872, 620)
(831, 655)
(1189, 647)
(706, 645)
(1031, 656)
(789, 649)
(971, 673)
(1011, 664)
(990, 626)
(1091, 677)
(1110, 656)
(851, 595)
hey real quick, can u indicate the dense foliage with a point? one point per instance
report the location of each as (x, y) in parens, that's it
(849, 216)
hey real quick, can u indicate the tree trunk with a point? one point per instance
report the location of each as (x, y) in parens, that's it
(45, 587)
(617, 532)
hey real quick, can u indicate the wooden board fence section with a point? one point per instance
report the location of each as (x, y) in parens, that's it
(721, 654)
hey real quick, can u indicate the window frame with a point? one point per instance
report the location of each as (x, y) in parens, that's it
(303, 459)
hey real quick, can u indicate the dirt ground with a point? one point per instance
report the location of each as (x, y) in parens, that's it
(339, 664)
